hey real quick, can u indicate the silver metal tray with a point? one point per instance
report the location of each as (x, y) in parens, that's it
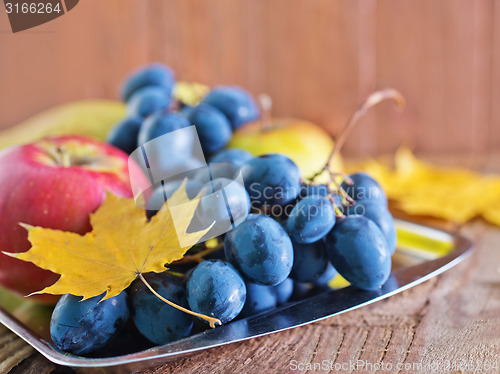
(422, 253)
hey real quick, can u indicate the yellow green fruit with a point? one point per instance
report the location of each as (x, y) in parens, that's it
(307, 144)
(91, 118)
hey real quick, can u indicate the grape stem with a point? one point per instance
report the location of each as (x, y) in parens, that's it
(372, 100)
(212, 321)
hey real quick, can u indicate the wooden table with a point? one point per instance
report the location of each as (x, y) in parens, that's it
(447, 324)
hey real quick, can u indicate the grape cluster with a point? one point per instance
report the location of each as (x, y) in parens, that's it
(298, 236)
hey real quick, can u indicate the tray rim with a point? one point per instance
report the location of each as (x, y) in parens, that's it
(162, 354)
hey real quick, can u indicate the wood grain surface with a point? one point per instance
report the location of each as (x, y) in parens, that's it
(453, 319)
(317, 59)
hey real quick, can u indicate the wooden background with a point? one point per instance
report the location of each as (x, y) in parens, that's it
(317, 59)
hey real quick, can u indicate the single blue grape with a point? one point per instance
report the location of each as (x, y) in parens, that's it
(160, 124)
(358, 250)
(381, 216)
(233, 156)
(216, 289)
(146, 101)
(259, 299)
(156, 320)
(365, 187)
(309, 261)
(214, 130)
(284, 291)
(81, 327)
(271, 179)
(124, 134)
(236, 103)
(261, 249)
(311, 219)
(157, 75)
(227, 205)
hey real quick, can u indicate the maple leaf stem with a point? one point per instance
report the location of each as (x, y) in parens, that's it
(212, 321)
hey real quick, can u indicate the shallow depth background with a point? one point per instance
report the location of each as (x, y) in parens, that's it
(317, 59)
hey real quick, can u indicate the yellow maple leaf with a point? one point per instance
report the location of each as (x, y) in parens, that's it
(121, 247)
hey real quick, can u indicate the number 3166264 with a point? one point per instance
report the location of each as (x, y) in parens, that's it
(32, 8)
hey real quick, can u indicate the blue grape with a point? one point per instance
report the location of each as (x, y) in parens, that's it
(173, 153)
(157, 75)
(214, 130)
(160, 124)
(81, 327)
(284, 291)
(233, 156)
(381, 216)
(309, 261)
(217, 290)
(146, 101)
(311, 219)
(326, 276)
(259, 298)
(236, 103)
(124, 134)
(365, 187)
(261, 249)
(358, 250)
(271, 179)
(228, 203)
(156, 320)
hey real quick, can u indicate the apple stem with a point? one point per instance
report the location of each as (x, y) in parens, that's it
(266, 105)
(372, 100)
(212, 321)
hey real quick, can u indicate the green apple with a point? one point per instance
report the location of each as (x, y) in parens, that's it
(307, 144)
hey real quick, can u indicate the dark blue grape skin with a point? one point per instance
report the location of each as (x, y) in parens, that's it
(160, 124)
(365, 187)
(146, 101)
(233, 156)
(157, 75)
(81, 327)
(326, 276)
(284, 291)
(358, 250)
(216, 289)
(259, 298)
(260, 249)
(309, 261)
(236, 103)
(311, 219)
(124, 134)
(214, 130)
(156, 320)
(379, 214)
(271, 179)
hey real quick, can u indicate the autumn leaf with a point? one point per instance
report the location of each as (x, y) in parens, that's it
(121, 247)
(420, 188)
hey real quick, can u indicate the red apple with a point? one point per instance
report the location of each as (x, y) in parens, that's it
(54, 183)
